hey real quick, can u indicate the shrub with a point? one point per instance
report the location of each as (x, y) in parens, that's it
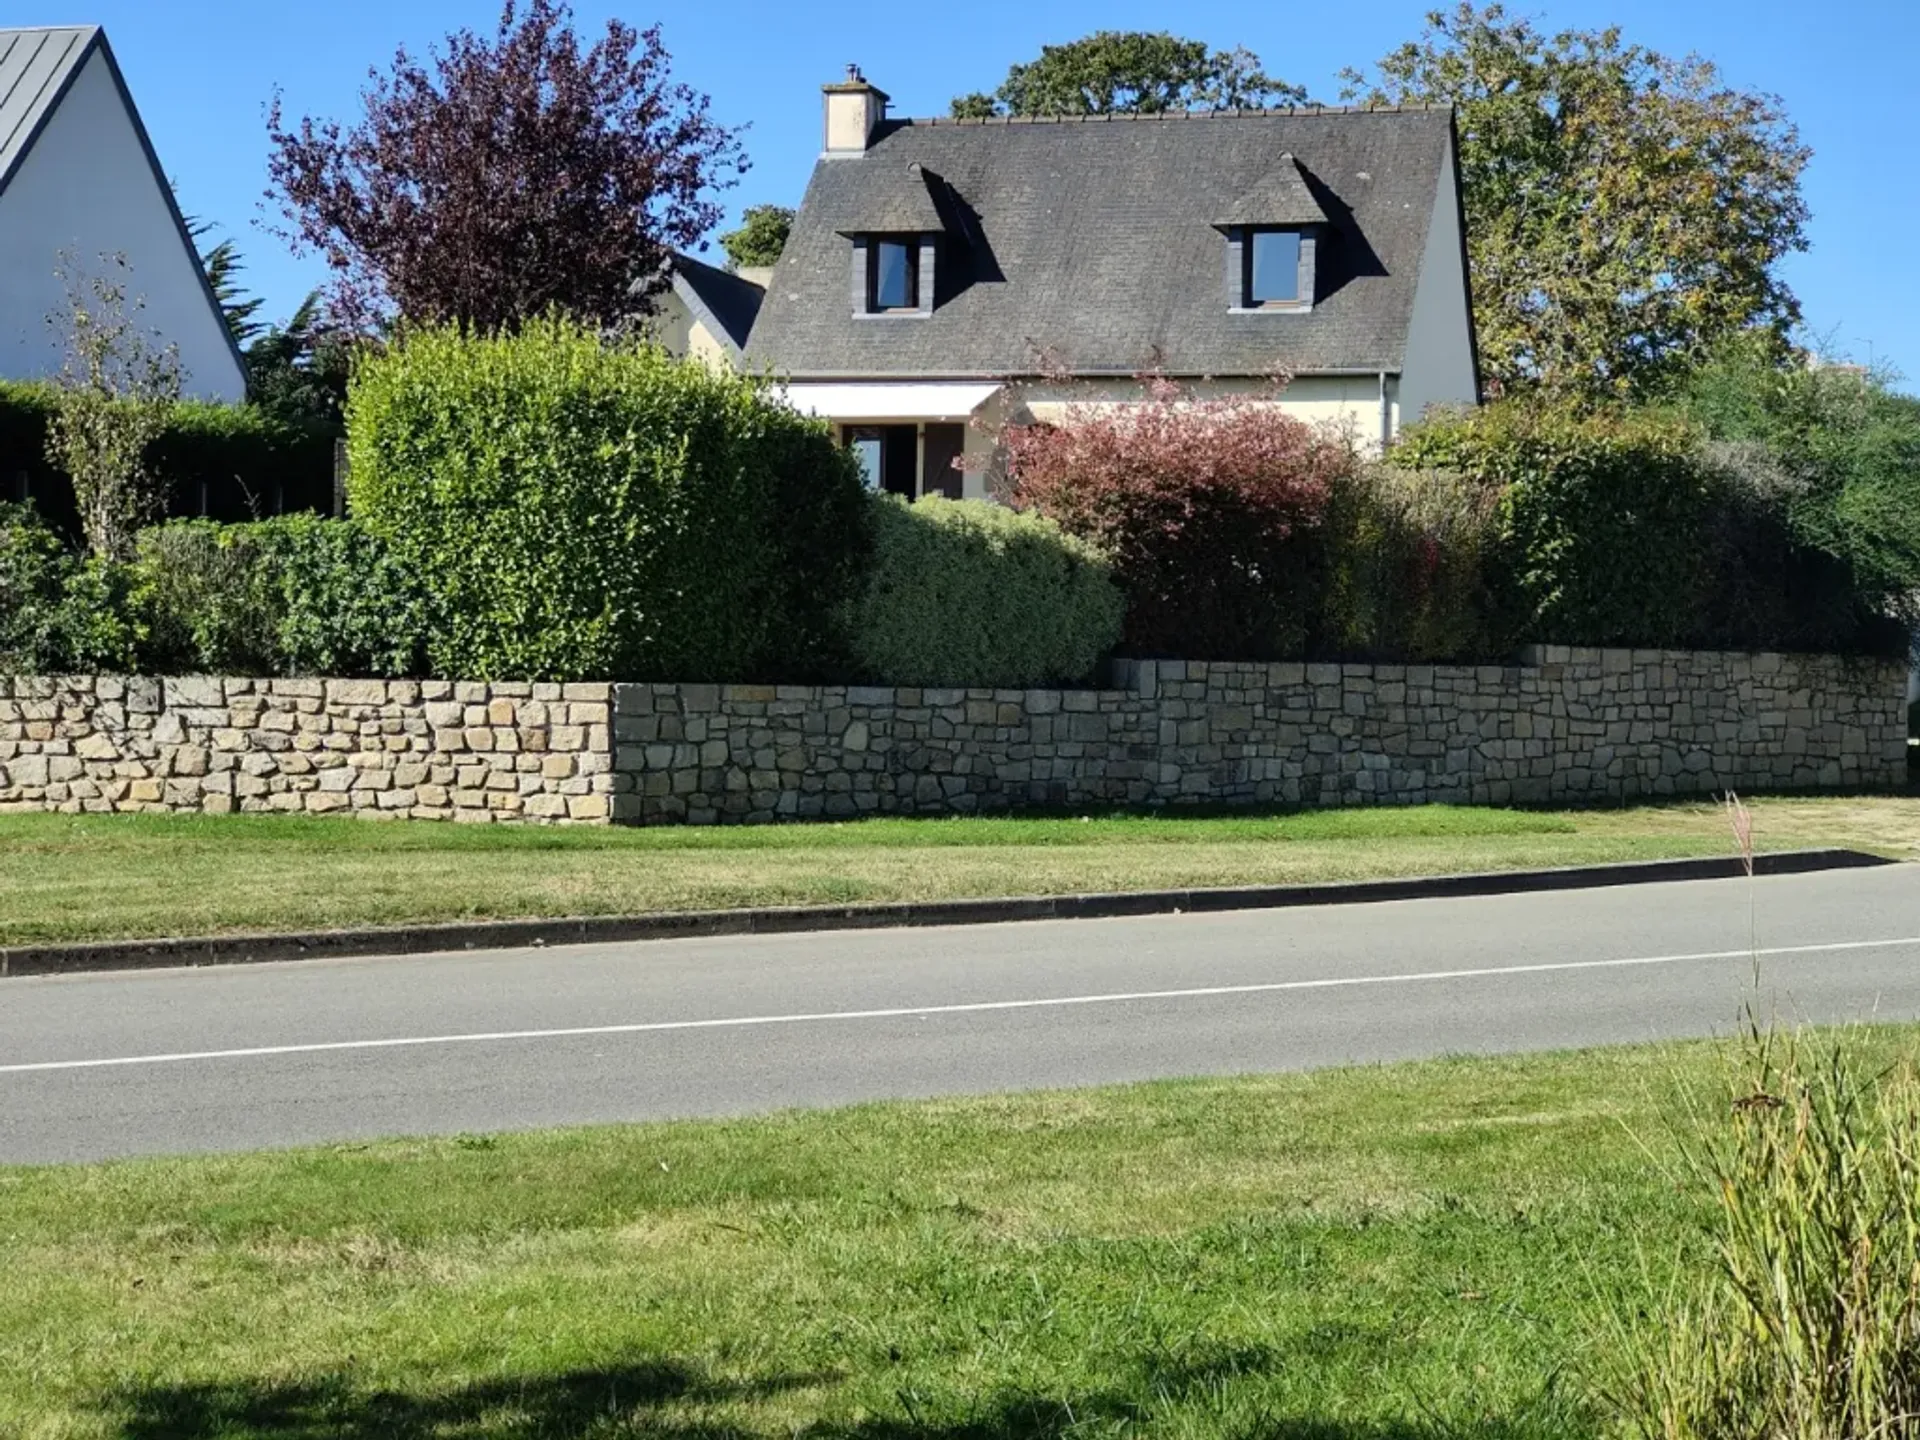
(1600, 514)
(1408, 557)
(298, 595)
(1197, 503)
(580, 509)
(965, 592)
(59, 613)
(206, 595)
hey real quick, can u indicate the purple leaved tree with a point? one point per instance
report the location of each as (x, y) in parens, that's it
(515, 174)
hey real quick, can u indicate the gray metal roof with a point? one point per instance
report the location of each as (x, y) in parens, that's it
(35, 68)
(1093, 243)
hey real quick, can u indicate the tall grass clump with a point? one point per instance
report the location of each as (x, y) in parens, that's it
(1806, 1325)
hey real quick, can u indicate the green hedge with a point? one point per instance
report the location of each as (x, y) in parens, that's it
(297, 595)
(584, 510)
(1642, 527)
(964, 592)
(59, 612)
(231, 461)
(1602, 516)
(1406, 568)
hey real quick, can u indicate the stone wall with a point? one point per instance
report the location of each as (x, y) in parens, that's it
(1563, 726)
(432, 750)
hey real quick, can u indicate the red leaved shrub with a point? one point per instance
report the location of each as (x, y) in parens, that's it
(1200, 503)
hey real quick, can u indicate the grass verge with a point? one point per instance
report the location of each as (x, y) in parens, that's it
(65, 878)
(1371, 1254)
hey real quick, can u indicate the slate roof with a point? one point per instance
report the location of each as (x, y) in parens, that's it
(1094, 242)
(35, 68)
(1279, 197)
(722, 299)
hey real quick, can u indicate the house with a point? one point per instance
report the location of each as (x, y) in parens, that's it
(707, 313)
(78, 175)
(946, 276)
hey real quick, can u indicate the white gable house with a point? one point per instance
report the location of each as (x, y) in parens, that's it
(78, 174)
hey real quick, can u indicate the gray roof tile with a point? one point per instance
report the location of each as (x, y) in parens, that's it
(1094, 242)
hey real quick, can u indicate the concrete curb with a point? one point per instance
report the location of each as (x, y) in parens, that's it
(785, 920)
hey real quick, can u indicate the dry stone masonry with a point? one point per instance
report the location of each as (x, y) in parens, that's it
(432, 750)
(1563, 725)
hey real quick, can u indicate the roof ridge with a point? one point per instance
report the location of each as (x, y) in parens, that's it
(46, 29)
(1129, 116)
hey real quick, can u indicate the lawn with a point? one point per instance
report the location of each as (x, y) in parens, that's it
(1368, 1254)
(104, 877)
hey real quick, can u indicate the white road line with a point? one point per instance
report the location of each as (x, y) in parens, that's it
(973, 1008)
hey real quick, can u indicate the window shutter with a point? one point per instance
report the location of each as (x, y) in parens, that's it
(1236, 275)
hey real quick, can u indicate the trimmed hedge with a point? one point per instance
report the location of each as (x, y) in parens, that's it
(297, 595)
(231, 462)
(965, 592)
(584, 510)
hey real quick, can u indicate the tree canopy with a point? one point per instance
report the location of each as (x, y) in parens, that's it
(1626, 211)
(514, 174)
(1131, 71)
(761, 237)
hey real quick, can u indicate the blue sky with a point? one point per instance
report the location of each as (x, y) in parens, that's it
(202, 70)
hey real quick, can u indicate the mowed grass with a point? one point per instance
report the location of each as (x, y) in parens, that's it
(1368, 1254)
(68, 878)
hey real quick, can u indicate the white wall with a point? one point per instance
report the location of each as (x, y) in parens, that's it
(1439, 366)
(85, 185)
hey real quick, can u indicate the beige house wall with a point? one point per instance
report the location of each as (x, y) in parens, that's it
(1350, 404)
(675, 328)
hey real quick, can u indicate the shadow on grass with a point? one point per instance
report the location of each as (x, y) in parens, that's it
(609, 1400)
(626, 1400)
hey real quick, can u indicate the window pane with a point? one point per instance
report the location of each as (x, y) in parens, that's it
(1276, 267)
(892, 276)
(865, 445)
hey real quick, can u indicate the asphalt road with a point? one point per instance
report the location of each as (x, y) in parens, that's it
(241, 1057)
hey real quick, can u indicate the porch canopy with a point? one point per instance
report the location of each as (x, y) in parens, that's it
(912, 400)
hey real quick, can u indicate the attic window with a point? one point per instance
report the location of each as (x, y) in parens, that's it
(893, 273)
(1272, 268)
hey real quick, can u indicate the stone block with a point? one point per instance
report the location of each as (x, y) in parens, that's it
(191, 691)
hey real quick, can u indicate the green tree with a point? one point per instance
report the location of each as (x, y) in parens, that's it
(761, 237)
(298, 371)
(223, 266)
(1626, 211)
(1134, 72)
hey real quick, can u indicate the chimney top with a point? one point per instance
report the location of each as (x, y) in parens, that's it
(854, 109)
(855, 81)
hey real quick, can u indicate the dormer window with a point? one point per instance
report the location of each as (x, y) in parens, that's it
(893, 273)
(1274, 233)
(1272, 267)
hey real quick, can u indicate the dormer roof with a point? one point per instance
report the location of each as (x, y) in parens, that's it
(898, 201)
(1280, 197)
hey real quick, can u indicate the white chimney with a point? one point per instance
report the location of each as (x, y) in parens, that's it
(854, 109)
